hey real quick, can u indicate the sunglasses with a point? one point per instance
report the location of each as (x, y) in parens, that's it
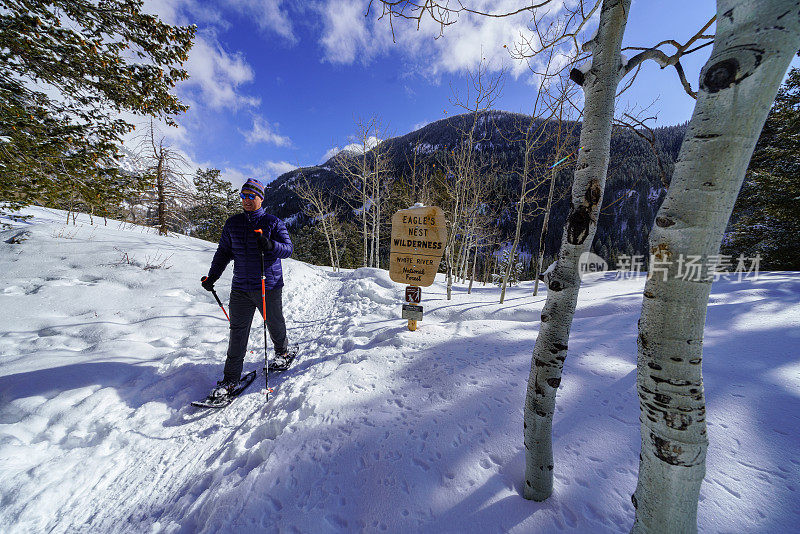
(251, 196)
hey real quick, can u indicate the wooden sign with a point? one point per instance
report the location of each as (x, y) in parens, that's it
(413, 294)
(418, 239)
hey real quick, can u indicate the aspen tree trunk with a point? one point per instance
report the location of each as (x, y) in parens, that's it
(449, 254)
(464, 255)
(507, 272)
(520, 207)
(473, 240)
(457, 264)
(335, 251)
(600, 85)
(326, 231)
(373, 229)
(474, 265)
(449, 258)
(753, 47)
(364, 218)
(376, 246)
(520, 210)
(473, 245)
(543, 234)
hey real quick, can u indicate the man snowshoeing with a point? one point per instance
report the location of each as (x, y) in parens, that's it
(241, 243)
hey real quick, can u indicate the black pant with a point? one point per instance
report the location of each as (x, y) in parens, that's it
(243, 305)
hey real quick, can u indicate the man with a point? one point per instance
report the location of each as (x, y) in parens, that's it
(241, 243)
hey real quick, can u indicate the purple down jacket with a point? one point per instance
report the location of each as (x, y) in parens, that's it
(238, 243)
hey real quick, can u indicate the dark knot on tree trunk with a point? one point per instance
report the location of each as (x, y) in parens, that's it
(578, 225)
(577, 76)
(720, 75)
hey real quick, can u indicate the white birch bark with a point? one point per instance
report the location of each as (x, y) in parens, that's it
(753, 47)
(543, 233)
(376, 248)
(520, 210)
(474, 263)
(374, 208)
(327, 233)
(364, 218)
(335, 248)
(600, 86)
(460, 255)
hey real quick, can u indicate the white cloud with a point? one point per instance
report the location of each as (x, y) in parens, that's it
(348, 36)
(235, 176)
(265, 171)
(264, 132)
(175, 11)
(269, 15)
(216, 75)
(273, 169)
(346, 32)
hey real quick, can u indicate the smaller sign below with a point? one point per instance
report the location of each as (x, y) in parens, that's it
(413, 294)
(410, 311)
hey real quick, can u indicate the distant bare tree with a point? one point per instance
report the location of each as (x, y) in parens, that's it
(165, 171)
(319, 207)
(470, 175)
(366, 169)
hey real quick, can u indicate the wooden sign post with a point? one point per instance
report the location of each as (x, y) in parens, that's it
(418, 238)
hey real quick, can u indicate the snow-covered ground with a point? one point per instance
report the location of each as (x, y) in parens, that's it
(106, 336)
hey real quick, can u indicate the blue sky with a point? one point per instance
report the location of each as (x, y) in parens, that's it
(277, 84)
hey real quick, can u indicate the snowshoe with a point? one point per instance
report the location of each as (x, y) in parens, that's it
(225, 392)
(282, 362)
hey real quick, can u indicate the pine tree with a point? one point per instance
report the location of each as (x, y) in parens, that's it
(216, 200)
(66, 73)
(766, 217)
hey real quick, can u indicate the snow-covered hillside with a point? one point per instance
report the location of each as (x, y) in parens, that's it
(106, 336)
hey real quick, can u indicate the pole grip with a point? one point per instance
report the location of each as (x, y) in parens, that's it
(214, 292)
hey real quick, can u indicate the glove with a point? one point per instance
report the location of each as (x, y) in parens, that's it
(265, 244)
(207, 283)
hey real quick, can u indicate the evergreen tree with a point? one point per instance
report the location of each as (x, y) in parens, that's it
(216, 200)
(309, 246)
(766, 218)
(67, 70)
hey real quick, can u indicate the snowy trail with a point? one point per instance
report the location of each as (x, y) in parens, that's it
(123, 392)
(374, 428)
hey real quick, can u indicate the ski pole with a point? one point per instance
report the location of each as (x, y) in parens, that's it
(264, 313)
(214, 292)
